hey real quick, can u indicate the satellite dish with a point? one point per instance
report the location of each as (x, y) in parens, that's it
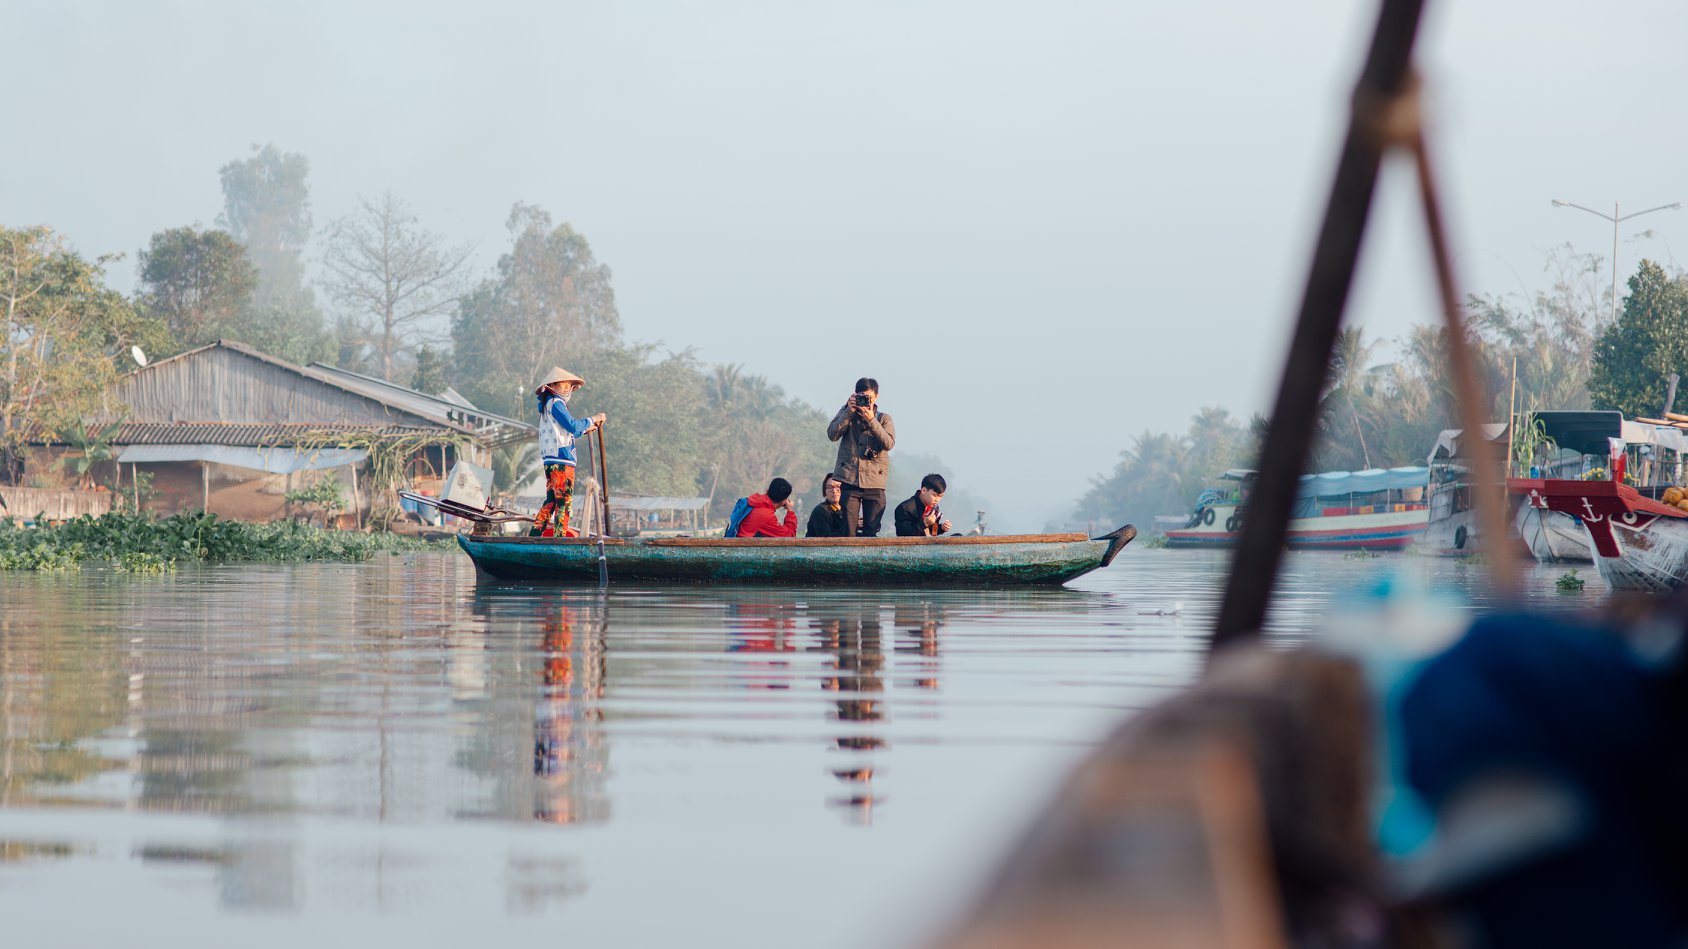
(139, 356)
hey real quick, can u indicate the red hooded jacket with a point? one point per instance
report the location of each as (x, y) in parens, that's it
(762, 521)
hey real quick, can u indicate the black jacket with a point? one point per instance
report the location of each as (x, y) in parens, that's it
(826, 521)
(910, 517)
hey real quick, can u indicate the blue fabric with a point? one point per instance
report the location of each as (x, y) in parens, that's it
(741, 510)
(1571, 706)
(1338, 483)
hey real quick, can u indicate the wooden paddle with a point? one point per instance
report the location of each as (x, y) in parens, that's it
(604, 495)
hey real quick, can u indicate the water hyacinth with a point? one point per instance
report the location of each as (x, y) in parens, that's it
(140, 543)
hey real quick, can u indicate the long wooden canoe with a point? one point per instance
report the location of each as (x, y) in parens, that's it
(1009, 560)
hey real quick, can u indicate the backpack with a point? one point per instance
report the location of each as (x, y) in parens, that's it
(741, 510)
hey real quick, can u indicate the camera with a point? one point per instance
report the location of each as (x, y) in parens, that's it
(860, 401)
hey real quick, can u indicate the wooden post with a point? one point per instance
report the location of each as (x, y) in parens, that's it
(135, 482)
(205, 487)
(357, 505)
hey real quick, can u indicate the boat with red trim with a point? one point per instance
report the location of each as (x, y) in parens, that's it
(1375, 509)
(1638, 543)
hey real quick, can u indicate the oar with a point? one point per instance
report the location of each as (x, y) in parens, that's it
(604, 493)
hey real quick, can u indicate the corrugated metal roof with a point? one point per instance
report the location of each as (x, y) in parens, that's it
(459, 411)
(232, 433)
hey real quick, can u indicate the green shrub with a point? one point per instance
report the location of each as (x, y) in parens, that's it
(144, 543)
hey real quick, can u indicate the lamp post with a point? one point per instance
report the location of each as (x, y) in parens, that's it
(1616, 219)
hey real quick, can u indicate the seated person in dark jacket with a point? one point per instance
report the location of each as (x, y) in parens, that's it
(919, 516)
(827, 519)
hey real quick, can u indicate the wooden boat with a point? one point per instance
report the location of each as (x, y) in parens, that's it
(1638, 543)
(1336, 510)
(964, 561)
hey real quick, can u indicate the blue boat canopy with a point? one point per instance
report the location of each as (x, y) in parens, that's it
(1334, 483)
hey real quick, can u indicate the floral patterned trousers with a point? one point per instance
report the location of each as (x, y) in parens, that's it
(559, 502)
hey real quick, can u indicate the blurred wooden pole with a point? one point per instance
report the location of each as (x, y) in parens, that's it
(1295, 411)
(1490, 494)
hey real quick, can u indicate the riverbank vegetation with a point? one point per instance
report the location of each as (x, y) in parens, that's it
(1386, 400)
(138, 543)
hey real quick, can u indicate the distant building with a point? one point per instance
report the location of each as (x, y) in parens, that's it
(231, 430)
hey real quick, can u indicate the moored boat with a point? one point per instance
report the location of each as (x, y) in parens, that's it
(1378, 509)
(961, 561)
(1453, 530)
(1638, 543)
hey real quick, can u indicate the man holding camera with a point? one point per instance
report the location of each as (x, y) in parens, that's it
(864, 436)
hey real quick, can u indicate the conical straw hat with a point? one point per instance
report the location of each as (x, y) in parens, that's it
(558, 374)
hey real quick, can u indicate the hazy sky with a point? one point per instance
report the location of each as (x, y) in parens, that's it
(1043, 226)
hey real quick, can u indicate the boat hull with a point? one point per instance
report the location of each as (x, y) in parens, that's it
(1384, 530)
(1638, 543)
(1036, 560)
(1553, 537)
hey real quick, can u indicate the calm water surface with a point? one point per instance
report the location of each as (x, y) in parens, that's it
(340, 753)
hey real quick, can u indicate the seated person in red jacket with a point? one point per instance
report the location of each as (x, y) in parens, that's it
(765, 509)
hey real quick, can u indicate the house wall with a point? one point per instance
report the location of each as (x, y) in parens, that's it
(236, 493)
(225, 385)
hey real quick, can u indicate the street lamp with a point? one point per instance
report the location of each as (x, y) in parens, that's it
(1616, 219)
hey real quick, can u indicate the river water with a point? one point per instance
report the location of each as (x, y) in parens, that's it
(342, 753)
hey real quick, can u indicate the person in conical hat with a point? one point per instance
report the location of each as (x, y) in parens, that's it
(557, 432)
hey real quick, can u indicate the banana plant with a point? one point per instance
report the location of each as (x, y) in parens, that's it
(95, 445)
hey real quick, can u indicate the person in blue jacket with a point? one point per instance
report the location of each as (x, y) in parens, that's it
(557, 432)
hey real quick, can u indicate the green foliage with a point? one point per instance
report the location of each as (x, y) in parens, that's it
(1164, 474)
(549, 304)
(1647, 343)
(140, 561)
(198, 282)
(657, 417)
(326, 494)
(64, 330)
(388, 457)
(44, 558)
(1569, 582)
(430, 374)
(267, 208)
(133, 489)
(513, 465)
(753, 432)
(134, 541)
(93, 444)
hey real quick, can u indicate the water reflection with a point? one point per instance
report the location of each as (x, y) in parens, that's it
(389, 736)
(569, 752)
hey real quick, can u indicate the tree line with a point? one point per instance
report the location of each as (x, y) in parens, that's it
(1385, 401)
(396, 300)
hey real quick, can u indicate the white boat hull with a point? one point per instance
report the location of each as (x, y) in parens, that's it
(1553, 537)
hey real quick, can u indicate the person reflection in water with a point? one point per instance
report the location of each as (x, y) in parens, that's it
(859, 660)
(567, 747)
(917, 642)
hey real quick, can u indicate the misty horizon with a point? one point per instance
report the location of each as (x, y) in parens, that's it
(1052, 230)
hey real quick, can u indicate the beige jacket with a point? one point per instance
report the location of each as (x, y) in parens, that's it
(864, 447)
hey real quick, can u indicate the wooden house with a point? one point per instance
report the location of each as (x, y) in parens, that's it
(231, 430)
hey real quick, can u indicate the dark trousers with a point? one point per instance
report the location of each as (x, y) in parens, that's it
(863, 509)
